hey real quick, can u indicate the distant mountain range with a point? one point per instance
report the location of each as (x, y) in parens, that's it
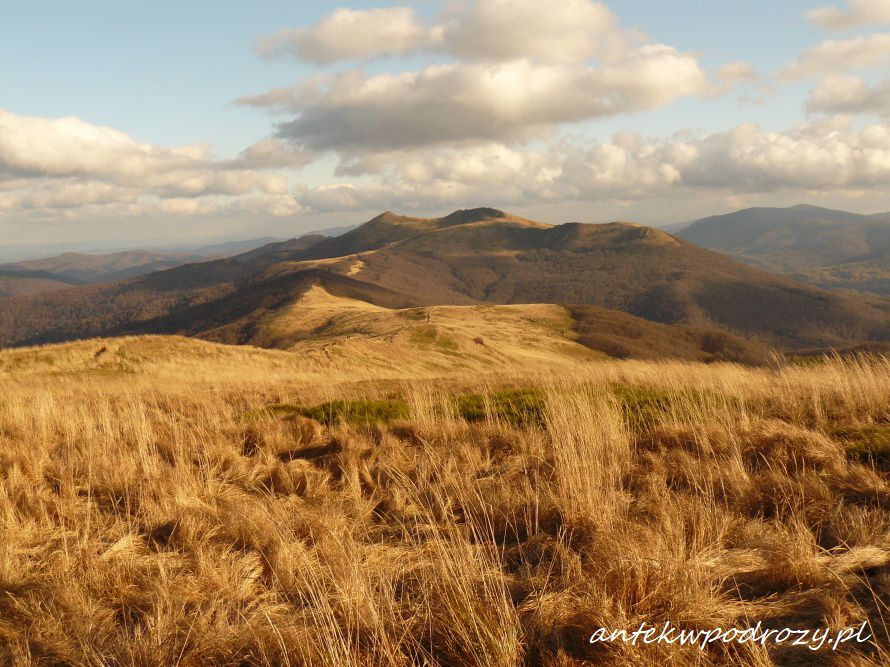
(38, 276)
(19, 281)
(48, 274)
(631, 289)
(105, 268)
(820, 246)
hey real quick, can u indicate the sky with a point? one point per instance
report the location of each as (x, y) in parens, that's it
(175, 122)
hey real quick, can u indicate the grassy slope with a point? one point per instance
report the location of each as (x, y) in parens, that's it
(157, 519)
(332, 338)
(138, 304)
(329, 336)
(336, 332)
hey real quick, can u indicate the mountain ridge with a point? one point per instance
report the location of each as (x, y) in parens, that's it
(472, 256)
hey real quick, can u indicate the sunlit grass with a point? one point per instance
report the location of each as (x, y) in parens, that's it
(257, 518)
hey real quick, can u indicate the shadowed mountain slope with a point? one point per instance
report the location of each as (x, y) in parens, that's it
(105, 268)
(815, 245)
(73, 268)
(620, 266)
(26, 282)
(470, 257)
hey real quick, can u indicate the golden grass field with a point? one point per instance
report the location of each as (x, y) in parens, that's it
(169, 502)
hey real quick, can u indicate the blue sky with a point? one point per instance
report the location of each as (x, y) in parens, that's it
(166, 72)
(165, 75)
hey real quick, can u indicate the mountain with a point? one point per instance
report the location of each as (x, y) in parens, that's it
(486, 256)
(225, 248)
(53, 273)
(24, 282)
(10, 253)
(104, 268)
(824, 247)
(470, 258)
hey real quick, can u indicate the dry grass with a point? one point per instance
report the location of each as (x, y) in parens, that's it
(149, 519)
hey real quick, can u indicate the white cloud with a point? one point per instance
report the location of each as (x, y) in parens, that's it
(68, 163)
(510, 102)
(70, 147)
(857, 13)
(71, 194)
(272, 205)
(269, 154)
(826, 155)
(737, 71)
(823, 157)
(569, 31)
(850, 95)
(348, 34)
(840, 55)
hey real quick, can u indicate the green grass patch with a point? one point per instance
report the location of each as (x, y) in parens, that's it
(869, 444)
(645, 405)
(356, 413)
(520, 407)
(516, 406)
(808, 360)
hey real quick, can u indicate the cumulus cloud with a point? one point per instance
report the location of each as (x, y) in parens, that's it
(840, 55)
(72, 194)
(66, 163)
(509, 102)
(269, 154)
(737, 71)
(273, 205)
(825, 156)
(70, 147)
(856, 13)
(348, 34)
(850, 95)
(733, 74)
(569, 31)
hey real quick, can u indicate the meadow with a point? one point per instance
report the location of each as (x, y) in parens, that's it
(231, 511)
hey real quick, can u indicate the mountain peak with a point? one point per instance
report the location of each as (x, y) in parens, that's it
(388, 217)
(466, 215)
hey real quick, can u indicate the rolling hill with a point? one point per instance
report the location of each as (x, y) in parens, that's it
(75, 268)
(105, 268)
(469, 258)
(24, 283)
(322, 337)
(823, 247)
(342, 331)
(362, 341)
